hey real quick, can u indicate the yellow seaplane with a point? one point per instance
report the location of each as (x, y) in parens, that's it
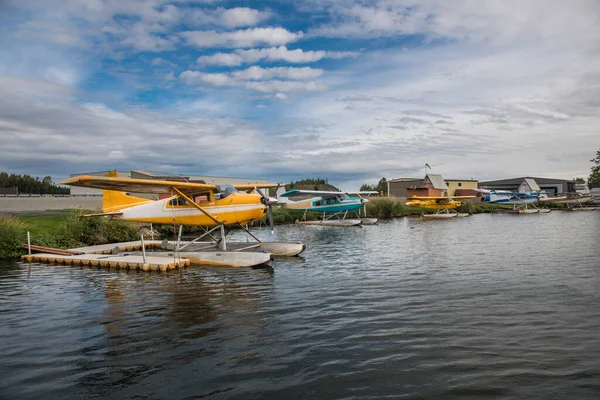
(442, 205)
(212, 207)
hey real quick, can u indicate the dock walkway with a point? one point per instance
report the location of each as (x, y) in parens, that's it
(120, 261)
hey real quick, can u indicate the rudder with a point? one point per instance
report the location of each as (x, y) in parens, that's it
(113, 200)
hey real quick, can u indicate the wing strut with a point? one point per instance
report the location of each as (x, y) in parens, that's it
(192, 202)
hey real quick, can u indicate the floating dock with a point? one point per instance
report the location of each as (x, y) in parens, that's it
(115, 248)
(120, 261)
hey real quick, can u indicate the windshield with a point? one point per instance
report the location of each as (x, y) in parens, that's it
(225, 190)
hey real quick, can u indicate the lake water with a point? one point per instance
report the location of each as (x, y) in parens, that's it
(489, 306)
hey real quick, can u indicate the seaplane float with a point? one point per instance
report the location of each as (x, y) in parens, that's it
(217, 209)
(334, 206)
(444, 206)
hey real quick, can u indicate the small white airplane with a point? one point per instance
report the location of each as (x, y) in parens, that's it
(330, 203)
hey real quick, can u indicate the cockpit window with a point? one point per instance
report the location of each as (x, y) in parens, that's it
(225, 190)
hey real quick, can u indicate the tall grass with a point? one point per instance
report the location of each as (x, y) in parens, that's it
(61, 231)
(13, 234)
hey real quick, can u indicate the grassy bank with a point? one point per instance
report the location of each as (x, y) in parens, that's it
(64, 230)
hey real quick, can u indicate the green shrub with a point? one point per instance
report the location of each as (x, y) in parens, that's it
(380, 208)
(13, 234)
(93, 231)
(120, 231)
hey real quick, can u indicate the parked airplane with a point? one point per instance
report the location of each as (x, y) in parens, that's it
(330, 203)
(441, 204)
(197, 204)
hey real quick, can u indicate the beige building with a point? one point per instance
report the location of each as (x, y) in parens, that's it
(397, 187)
(454, 184)
(432, 185)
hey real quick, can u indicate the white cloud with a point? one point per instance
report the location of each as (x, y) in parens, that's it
(226, 59)
(284, 86)
(259, 73)
(281, 53)
(241, 38)
(62, 76)
(281, 96)
(141, 37)
(498, 22)
(248, 78)
(243, 16)
(197, 78)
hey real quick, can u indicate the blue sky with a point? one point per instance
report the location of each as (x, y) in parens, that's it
(346, 90)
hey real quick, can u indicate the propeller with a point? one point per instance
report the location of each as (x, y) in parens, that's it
(268, 201)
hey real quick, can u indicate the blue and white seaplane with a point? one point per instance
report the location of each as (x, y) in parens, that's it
(523, 203)
(335, 206)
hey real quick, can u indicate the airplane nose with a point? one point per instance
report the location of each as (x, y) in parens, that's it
(364, 201)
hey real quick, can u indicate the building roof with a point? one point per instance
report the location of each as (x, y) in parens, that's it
(405, 179)
(437, 181)
(461, 180)
(517, 181)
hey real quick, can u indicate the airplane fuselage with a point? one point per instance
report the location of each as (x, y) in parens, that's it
(236, 208)
(434, 205)
(330, 205)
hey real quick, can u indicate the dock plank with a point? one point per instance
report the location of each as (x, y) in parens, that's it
(121, 261)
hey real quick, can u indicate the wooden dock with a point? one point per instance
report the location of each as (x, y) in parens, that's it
(120, 261)
(115, 248)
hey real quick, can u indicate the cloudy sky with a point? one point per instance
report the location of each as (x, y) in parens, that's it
(347, 90)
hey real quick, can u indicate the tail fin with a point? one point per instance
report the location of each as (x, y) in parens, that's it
(113, 200)
(278, 192)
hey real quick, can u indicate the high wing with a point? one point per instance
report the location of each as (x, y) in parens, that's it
(250, 186)
(135, 185)
(313, 193)
(364, 193)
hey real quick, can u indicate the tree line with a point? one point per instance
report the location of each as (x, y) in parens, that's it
(381, 187)
(30, 185)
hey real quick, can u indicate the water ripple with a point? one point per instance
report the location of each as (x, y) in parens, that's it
(490, 306)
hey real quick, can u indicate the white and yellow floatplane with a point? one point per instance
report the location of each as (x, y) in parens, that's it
(444, 206)
(216, 208)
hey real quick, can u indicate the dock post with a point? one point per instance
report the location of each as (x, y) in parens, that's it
(29, 243)
(143, 250)
(179, 237)
(223, 245)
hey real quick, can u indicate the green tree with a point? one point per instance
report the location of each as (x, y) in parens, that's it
(594, 179)
(579, 180)
(3, 179)
(382, 186)
(366, 187)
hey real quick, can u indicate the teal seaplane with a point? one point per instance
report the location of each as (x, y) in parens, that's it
(334, 206)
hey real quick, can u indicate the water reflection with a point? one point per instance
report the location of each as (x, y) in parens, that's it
(485, 306)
